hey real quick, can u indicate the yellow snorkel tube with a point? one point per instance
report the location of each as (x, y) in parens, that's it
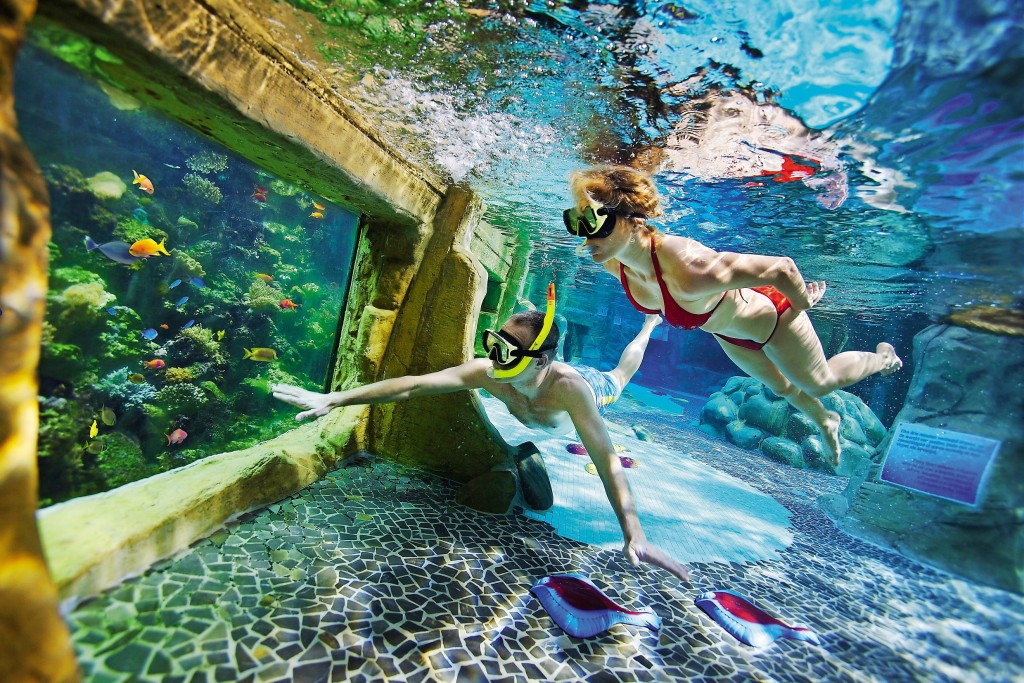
(549, 319)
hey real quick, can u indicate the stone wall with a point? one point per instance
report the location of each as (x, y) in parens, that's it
(966, 381)
(34, 642)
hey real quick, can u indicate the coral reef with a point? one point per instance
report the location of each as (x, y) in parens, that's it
(262, 296)
(181, 399)
(202, 188)
(120, 460)
(195, 345)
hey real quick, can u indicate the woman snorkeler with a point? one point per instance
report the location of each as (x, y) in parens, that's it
(754, 305)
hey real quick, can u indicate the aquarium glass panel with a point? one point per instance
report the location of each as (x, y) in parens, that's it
(183, 282)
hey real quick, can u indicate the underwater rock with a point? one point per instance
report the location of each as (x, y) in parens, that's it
(770, 416)
(491, 492)
(956, 386)
(993, 319)
(719, 410)
(106, 185)
(761, 418)
(783, 450)
(643, 434)
(743, 435)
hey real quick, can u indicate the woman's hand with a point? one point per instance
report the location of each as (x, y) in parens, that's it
(315, 404)
(815, 290)
(637, 551)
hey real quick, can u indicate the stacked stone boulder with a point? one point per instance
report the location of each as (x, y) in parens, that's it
(970, 382)
(750, 415)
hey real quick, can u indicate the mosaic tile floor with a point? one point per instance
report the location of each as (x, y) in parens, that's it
(375, 574)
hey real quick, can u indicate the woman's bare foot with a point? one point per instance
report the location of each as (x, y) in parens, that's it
(892, 362)
(652, 320)
(830, 436)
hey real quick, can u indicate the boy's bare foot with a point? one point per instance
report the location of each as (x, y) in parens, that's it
(830, 437)
(892, 362)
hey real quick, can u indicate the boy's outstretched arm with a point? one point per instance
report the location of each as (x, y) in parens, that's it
(470, 375)
(594, 434)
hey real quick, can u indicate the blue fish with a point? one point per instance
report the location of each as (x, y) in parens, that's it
(197, 281)
(149, 334)
(181, 301)
(189, 324)
(141, 215)
(111, 311)
(115, 251)
(174, 284)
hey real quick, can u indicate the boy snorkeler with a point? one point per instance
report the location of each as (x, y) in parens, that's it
(542, 393)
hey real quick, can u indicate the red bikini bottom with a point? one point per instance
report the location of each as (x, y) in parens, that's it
(782, 304)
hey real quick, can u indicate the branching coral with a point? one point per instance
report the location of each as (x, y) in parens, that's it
(202, 188)
(116, 389)
(207, 162)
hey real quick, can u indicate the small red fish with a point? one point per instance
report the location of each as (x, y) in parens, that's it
(288, 304)
(155, 364)
(259, 194)
(175, 437)
(165, 326)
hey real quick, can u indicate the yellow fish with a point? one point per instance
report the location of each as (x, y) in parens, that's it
(265, 277)
(148, 247)
(108, 417)
(316, 214)
(144, 183)
(137, 378)
(319, 207)
(263, 354)
(220, 335)
(94, 430)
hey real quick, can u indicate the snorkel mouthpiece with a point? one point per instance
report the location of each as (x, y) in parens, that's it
(549, 319)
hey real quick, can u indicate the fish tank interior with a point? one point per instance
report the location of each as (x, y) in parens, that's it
(152, 362)
(878, 144)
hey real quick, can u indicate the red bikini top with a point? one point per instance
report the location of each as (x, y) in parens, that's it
(676, 315)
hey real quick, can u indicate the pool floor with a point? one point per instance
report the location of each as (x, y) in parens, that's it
(375, 574)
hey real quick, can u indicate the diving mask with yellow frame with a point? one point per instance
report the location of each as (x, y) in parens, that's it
(510, 359)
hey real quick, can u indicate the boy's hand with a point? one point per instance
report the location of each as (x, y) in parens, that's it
(315, 404)
(638, 551)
